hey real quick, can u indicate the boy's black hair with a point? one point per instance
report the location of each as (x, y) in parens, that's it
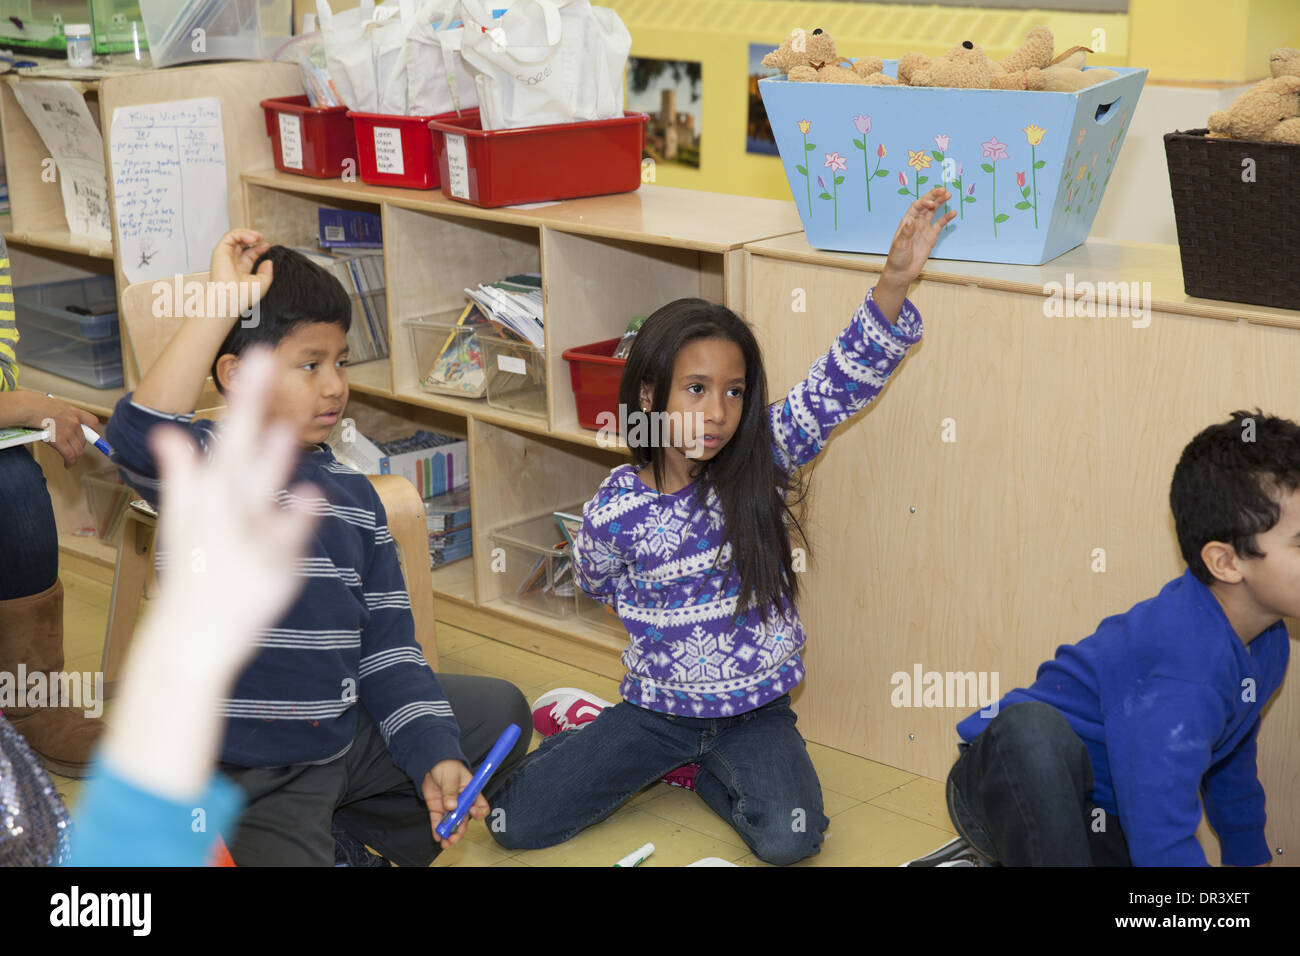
(744, 474)
(1228, 483)
(300, 292)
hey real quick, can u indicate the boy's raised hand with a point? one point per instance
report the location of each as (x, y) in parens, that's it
(232, 261)
(913, 242)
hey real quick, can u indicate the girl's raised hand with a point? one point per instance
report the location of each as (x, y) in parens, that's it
(916, 236)
(913, 242)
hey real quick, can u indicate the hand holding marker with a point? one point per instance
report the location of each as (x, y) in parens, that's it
(447, 826)
(92, 436)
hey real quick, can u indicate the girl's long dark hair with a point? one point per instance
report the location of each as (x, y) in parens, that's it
(756, 495)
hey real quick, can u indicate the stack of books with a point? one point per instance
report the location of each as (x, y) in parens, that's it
(515, 305)
(448, 519)
(362, 274)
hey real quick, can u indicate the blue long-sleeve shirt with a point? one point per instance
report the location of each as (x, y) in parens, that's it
(1167, 699)
(663, 563)
(348, 638)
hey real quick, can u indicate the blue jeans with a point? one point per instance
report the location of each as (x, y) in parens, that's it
(1019, 794)
(754, 772)
(29, 542)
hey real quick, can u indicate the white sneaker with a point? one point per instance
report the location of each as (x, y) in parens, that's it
(565, 708)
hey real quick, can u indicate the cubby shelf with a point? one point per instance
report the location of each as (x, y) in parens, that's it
(602, 260)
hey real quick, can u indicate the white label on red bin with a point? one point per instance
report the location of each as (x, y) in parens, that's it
(388, 150)
(290, 140)
(458, 168)
(508, 363)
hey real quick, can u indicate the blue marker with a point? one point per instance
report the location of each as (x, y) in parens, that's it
(92, 436)
(503, 746)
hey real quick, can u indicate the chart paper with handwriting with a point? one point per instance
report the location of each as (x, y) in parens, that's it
(169, 186)
(65, 125)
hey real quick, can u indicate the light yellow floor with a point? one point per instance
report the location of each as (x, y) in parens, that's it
(879, 816)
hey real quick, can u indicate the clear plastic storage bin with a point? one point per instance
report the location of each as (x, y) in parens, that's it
(539, 568)
(107, 498)
(71, 329)
(516, 375)
(448, 358)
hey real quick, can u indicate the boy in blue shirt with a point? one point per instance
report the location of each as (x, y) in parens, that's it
(338, 723)
(1106, 758)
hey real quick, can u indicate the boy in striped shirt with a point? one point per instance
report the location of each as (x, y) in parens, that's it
(338, 726)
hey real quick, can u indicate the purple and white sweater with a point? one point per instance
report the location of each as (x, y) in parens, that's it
(662, 563)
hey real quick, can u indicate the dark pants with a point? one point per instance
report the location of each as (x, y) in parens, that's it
(292, 810)
(29, 542)
(1019, 794)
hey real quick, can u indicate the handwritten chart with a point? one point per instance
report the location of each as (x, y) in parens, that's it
(169, 186)
(69, 132)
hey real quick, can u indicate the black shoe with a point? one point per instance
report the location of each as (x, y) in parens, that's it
(956, 853)
(349, 851)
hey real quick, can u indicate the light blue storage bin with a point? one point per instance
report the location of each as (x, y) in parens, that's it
(856, 156)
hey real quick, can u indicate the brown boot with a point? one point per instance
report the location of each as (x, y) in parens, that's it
(31, 642)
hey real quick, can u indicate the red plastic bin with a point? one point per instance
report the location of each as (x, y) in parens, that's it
(395, 150)
(595, 375)
(503, 167)
(309, 140)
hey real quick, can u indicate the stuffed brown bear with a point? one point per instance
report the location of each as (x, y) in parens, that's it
(811, 57)
(1268, 112)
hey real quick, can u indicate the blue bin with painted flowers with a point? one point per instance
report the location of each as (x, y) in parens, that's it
(1030, 167)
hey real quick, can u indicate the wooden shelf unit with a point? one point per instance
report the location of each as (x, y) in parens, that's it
(602, 260)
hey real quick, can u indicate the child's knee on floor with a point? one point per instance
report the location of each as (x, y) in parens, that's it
(783, 843)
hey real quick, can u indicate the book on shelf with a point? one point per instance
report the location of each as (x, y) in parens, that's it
(515, 303)
(361, 273)
(349, 228)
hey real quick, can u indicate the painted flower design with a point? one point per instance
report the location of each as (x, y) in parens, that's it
(1034, 134)
(1079, 141)
(942, 142)
(1020, 179)
(821, 182)
(918, 159)
(862, 123)
(994, 150)
(804, 126)
(902, 178)
(835, 162)
(880, 151)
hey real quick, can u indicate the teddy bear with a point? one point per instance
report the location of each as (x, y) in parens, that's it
(811, 57)
(1268, 112)
(966, 66)
(1065, 74)
(1284, 61)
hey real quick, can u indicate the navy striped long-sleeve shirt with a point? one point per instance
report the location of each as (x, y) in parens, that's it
(348, 639)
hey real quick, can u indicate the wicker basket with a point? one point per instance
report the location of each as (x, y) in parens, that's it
(1233, 235)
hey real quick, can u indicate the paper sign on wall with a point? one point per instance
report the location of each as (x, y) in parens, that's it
(69, 132)
(169, 186)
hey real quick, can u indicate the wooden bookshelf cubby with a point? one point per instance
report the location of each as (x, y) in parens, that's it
(602, 261)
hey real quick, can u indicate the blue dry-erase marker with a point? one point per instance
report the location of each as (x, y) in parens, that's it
(447, 826)
(92, 436)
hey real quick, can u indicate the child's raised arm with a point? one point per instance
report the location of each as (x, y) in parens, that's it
(913, 242)
(863, 356)
(175, 381)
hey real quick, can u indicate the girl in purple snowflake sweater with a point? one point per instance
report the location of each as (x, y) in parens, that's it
(691, 545)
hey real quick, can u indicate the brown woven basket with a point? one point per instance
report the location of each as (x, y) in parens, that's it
(1237, 239)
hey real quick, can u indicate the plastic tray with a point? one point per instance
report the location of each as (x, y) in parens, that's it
(84, 348)
(596, 376)
(516, 375)
(309, 140)
(504, 167)
(396, 150)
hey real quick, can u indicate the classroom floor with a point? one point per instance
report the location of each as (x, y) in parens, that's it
(880, 816)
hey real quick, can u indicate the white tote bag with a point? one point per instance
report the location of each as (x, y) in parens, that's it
(545, 61)
(348, 54)
(437, 80)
